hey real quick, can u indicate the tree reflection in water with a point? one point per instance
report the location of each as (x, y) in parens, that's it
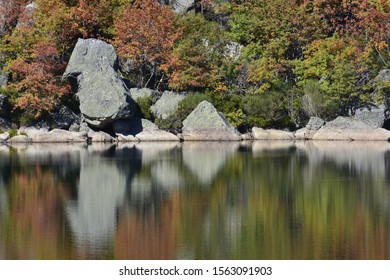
(260, 200)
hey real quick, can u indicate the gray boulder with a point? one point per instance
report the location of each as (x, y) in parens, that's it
(90, 55)
(141, 130)
(100, 136)
(373, 116)
(271, 134)
(22, 139)
(206, 123)
(311, 128)
(136, 93)
(384, 75)
(102, 94)
(64, 118)
(3, 78)
(4, 136)
(54, 136)
(167, 104)
(182, 6)
(348, 128)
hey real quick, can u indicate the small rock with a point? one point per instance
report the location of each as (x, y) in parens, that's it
(126, 138)
(4, 137)
(19, 139)
(182, 6)
(301, 134)
(247, 136)
(141, 129)
(100, 136)
(271, 134)
(313, 126)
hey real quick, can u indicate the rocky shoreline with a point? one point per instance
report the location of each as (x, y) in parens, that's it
(108, 112)
(206, 124)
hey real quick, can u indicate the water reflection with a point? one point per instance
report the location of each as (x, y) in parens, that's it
(261, 200)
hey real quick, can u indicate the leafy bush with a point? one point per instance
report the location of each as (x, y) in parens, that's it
(144, 104)
(314, 103)
(266, 110)
(13, 132)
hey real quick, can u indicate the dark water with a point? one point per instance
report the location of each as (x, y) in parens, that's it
(266, 200)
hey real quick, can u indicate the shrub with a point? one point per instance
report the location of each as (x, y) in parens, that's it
(266, 110)
(144, 104)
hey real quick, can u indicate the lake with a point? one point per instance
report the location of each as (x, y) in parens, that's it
(206, 200)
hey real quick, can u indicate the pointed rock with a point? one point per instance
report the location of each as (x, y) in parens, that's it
(206, 123)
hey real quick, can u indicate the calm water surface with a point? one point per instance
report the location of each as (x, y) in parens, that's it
(261, 200)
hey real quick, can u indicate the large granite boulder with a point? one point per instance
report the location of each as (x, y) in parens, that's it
(167, 104)
(349, 128)
(102, 94)
(141, 130)
(372, 116)
(206, 123)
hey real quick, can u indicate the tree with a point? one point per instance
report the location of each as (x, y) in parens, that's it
(145, 33)
(37, 80)
(198, 55)
(274, 35)
(334, 63)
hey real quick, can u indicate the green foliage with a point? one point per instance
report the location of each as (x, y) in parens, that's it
(315, 103)
(199, 57)
(266, 110)
(13, 132)
(325, 51)
(274, 34)
(334, 64)
(144, 104)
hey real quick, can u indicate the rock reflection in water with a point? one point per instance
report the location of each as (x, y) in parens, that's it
(260, 200)
(206, 159)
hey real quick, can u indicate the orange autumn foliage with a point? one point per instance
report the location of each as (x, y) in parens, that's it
(145, 32)
(37, 79)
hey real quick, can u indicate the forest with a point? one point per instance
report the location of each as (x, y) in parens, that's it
(266, 63)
